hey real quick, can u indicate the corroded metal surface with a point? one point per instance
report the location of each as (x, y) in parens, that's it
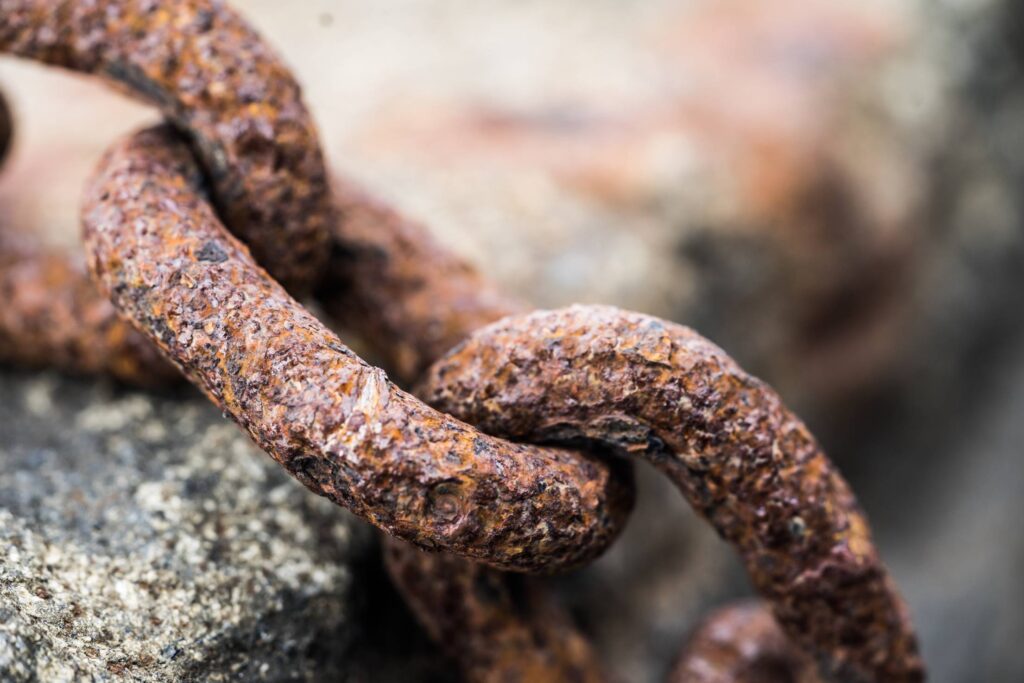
(53, 316)
(535, 640)
(584, 377)
(741, 643)
(389, 279)
(496, 627)
(212, 75)
(393, 250)
(641, 386)
(337, 424)
(391, 282)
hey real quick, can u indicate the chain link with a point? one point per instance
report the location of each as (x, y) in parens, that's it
(338, 425)
(218, 82)
(741, 643)
(593, 376)
(639, 386)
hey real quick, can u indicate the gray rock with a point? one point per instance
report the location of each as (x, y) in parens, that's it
(144, 538)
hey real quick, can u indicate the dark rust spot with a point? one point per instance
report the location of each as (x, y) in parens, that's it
(445, 502)
(211, 253)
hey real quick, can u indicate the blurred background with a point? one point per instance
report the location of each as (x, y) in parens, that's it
(832, 191)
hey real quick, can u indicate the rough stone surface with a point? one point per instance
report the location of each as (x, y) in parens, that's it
(144, 538)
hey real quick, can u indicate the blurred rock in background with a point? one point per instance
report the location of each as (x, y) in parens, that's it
(831, 190)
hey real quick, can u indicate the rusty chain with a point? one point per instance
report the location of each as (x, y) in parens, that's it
(741, 643)
(53, 315)
(216, 80)
(587, 376)
(636, 385)
(338, 425)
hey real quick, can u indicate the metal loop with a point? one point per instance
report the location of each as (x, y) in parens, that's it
(741, 643)
(213, 76)
(337, 424)
(644, 387)
(591, 376)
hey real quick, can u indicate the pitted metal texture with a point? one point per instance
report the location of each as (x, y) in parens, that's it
(640, 386)
(592, 377)
(219, 82)
(337, 424)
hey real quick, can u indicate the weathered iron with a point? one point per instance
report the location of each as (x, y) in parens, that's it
(337, 424)
(595, 377)
(497, 627)
(791, 515)
(216, 79)
(640, 386)
(158, 155)
(53, 316)
(742, 643)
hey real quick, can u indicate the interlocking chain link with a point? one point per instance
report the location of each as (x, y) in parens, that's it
(741, 643)
(591, 376)
(338, 425)
(212, 76)
(497, 627)
(637, 385)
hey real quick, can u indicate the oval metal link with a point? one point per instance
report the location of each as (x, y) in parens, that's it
(796, 474)
(741, 643)
(585, 376)
(337, 424)
(644, 387)
(53, 316)
(216, 79)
